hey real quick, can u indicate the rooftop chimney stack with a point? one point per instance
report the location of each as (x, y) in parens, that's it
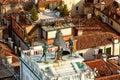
(104, 57)
(89, 15)
(10, 42)
(31, 51)
(102, 6)
(17, 18)
(15, 49)
(9, 59)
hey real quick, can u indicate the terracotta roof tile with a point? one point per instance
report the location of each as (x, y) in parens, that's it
(46, 3)
(106, 67)
(96, 39)
(9, 1)
(6, 51)
(107, 3)
(23, 21)
(100, 66)
(111, 77)
(92, 25)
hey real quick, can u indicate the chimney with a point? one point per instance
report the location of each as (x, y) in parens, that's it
(80, 32)
(9, 59)
(104, 57)
(102, 6)
(89, 15)
(10, 42)
(96, 51)
(114, 16)
(31, 51)
(5, 21)
(15, 48)
(17, 18)
(109, 13)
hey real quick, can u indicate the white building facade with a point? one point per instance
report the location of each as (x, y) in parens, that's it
(75, 7)
(70, 68)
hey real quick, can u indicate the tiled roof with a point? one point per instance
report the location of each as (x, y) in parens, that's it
(107, 3)
(2, 28)
(100, 66)
(23, 21)
(111, 77)
(54, 0)
(6, 51)
(110, 11)
(46, 3)
(95, 39)
(4, 72)
(10, 1)
(90, 26)
(89, 3)
(105, 70)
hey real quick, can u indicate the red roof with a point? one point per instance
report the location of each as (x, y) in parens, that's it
(100, 66)
(95, 39)
(105, 70)
(9, 1)
(6, 51)
(46, 3)
(107, 3)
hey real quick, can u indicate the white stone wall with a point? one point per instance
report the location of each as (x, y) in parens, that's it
(108, 20)
(26, 73)
(51, 34)
(65, 32)
(115, 25)
(72, 4)
(89, 52)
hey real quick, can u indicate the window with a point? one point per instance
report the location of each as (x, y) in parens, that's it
(100, 51)
(108, 50)
(77, 8)
(111, 23)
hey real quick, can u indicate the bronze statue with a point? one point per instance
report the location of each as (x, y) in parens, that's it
(59, 54)
(71, 46)
(45, 49)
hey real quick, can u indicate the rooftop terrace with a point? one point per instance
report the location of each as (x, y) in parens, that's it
(69, 67)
